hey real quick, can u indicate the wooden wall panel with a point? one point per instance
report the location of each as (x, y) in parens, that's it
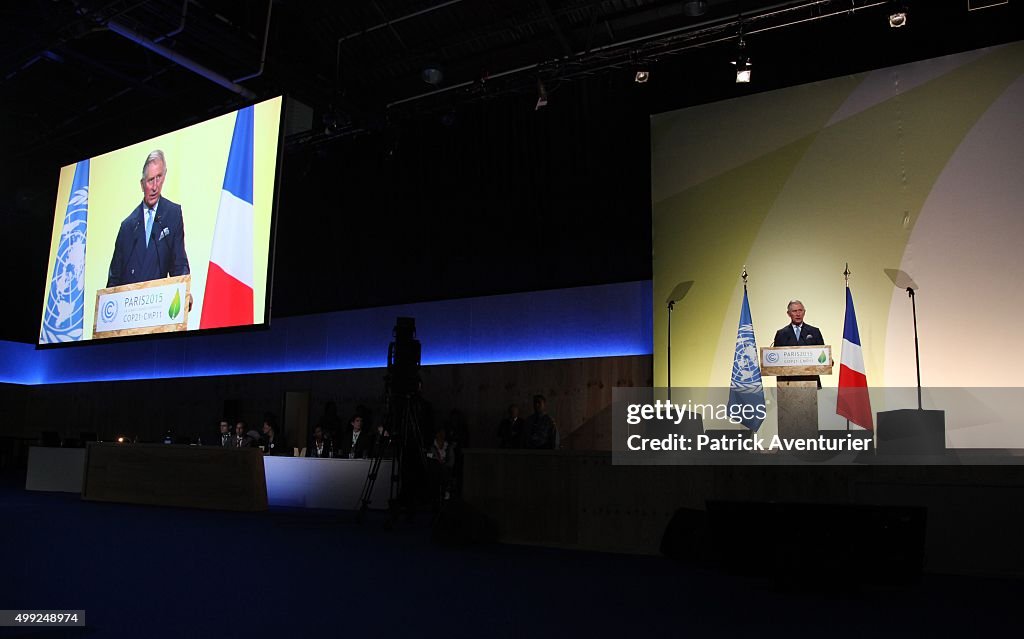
(578, 391)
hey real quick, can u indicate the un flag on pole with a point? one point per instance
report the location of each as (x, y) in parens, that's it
(64, 315)
(746, 391)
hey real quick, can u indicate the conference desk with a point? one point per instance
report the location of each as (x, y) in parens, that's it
(55, 469)
(307, 482)
(297, 482)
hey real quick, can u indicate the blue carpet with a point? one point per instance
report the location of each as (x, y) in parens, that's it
(144, 572)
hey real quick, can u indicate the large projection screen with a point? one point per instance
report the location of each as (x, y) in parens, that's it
(915, 167)
(212, 221)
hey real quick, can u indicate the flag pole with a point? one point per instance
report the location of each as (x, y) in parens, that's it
(846, 276)
(874, 433)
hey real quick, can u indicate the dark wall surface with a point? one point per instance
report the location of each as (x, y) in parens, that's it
(579, 393)
(492, 196)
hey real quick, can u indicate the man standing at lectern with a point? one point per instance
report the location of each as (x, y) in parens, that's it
(150, 244)
(797, 333)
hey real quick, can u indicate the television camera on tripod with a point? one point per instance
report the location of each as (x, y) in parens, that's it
(403, 415)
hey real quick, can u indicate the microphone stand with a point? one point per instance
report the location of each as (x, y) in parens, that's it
(668, 348)
(679, 292)
(917, 350)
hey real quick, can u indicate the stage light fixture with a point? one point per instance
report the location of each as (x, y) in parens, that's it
(432, 74)
(542, 95)
(642, 76)
(742, 63)
(743, 69)
(898, 16)
(694, 8)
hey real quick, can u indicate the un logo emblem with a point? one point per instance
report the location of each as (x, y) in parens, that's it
(64, 313)
(109, 311)
(746, 373)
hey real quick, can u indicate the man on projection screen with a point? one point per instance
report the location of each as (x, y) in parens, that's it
(150, 244)
(797, 333)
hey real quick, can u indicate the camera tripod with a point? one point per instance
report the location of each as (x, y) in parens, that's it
(402, 435)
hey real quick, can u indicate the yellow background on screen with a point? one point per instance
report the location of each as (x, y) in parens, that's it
(196, 161)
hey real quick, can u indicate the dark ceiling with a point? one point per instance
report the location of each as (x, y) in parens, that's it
(73, 72)
(82, 77)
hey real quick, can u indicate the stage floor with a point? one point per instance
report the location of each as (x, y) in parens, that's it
(142, 571)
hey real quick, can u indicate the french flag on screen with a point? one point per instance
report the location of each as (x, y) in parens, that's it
(853, 401)
(228, 300)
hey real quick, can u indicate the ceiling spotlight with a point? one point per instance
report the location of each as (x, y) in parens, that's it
(335, 120)
(742, 63)
(742, 70)
(542, 95)
(694, 8)
(432, 75)
(642, 76)
(898, 17)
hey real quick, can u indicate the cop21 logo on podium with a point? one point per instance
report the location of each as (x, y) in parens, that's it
(786, 361)
(156, 306)
(797, 369)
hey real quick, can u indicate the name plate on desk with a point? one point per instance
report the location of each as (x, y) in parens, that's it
(157, 306)
(796, 360)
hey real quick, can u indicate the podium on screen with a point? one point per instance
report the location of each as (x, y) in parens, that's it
(156, 306)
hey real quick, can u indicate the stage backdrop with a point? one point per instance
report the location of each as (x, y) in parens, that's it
(915, 167)
(197, 158)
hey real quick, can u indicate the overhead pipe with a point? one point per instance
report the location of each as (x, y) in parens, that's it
(181, 27)
(263, 54)
(708, 25)
(385, 24)
(179, 59)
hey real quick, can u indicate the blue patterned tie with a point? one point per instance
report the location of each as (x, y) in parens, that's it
(149, 225)
(796, 329)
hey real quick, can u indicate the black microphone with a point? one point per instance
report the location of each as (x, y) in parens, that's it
(135, 234)
(156, 225)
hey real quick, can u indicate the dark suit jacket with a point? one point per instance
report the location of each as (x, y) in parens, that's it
(539, 432)
(328, 449)
(279, 447)
(809, 336)
(510, 434)
(165, 256)
(364, 444)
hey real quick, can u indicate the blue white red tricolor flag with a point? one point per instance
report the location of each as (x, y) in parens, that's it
(853, 401)
(228, 300)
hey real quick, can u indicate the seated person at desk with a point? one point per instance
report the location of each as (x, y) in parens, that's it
(320, 446)
(224, 438)
(510, 429)
(240, 440)
(441, 463)
(539, 431)
(273, 442)
(356, 441)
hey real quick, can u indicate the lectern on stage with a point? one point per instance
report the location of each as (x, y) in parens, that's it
(797, 369)
(157, 306)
